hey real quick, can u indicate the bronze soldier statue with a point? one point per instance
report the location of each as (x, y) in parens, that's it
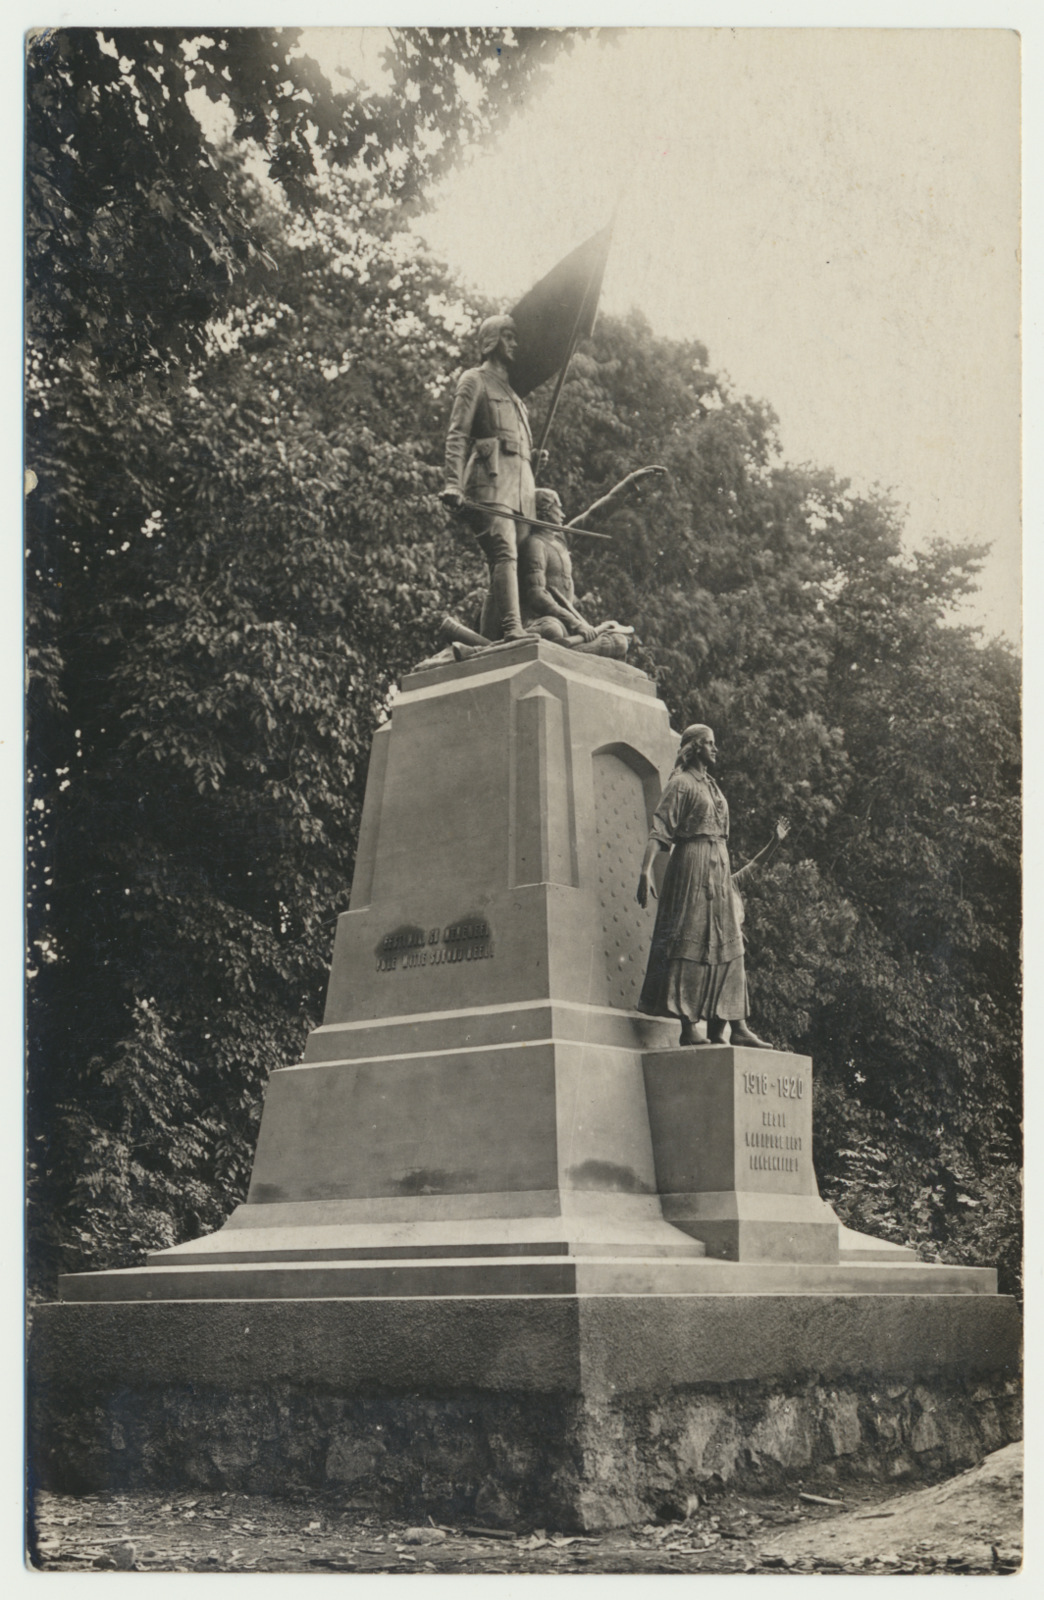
(545, 576)
(489, 450)
(545, 586)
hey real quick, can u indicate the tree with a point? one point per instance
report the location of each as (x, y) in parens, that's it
(135, 230)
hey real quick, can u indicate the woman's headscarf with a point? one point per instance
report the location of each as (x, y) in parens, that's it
(694, 731)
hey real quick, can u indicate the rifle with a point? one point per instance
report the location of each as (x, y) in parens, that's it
(533, 522)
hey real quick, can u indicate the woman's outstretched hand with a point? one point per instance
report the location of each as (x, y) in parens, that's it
(782, 828)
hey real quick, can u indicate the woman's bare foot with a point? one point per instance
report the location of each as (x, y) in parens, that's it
(741, 1034)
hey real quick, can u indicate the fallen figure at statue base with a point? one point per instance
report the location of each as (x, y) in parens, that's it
(610, 639)
(607, 639)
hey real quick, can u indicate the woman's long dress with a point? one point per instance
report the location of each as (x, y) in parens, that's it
(696, 962)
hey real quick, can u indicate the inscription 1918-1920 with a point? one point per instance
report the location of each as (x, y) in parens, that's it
(787, 1088)
(774, 1151)
(410, 948)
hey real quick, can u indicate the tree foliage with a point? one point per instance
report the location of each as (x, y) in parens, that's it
(239, 570)
(135, 233)
(227, 576)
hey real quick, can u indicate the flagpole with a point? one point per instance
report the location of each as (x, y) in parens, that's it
(573, 342)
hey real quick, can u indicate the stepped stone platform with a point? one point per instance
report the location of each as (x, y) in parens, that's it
(493, 1190)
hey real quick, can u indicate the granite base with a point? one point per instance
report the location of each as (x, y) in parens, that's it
(588, 1412)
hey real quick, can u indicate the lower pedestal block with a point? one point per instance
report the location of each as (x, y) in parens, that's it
(585, 1411)
(732, 1142)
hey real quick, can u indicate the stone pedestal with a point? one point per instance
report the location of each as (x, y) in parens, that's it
(474, 1099)
(484, 1122)
(732, 1136)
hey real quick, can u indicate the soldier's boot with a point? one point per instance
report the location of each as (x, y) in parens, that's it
(504, 596)
(489, 622)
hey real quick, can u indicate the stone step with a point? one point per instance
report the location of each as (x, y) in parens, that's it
(520, 1275)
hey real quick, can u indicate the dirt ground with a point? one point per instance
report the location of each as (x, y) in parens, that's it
(968, 1524)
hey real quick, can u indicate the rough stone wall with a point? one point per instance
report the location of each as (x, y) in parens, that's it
(645, 1458)
(491, 1457)
(548, 1460)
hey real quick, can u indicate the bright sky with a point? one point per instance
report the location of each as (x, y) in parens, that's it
(834, 213)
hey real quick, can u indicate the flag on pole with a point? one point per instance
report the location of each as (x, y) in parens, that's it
(558, 312)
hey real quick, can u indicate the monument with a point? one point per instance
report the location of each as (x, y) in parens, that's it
(509, 1250)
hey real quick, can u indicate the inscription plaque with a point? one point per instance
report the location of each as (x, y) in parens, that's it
(774, 1127)
(406, 949)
